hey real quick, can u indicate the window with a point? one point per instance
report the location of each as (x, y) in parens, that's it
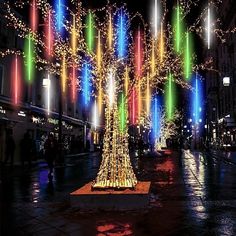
(1, 79)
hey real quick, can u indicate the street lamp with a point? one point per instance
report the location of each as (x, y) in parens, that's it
(226, 81)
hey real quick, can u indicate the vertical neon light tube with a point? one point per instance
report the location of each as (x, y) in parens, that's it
(133, 107)
(95, 117)
(100, 96)
(48, 93)
(153, 63)
(33, 16)
(99, 53)
(139, 55)
(196, 101)
(209, 28)
(162, 44)
(139, 70)
(29, 50)
(99, 64)
(170, 103)
(121, 34)
(156, 20)
(110, 32)
(49, 34)
(16, 80)
(155, 118)
(111, 89)
(139, 100)
(86, 83)
(187, 58)
(60, 6)
(148, 96)
(126, 81)
(178, 29)
(29, 59)
(33, 24)
(73, 36)
(74, 83)
(122, 114)
(59, 12)
(156, 12)
(121, 38)
(63, 74)
(90, 35)
(90, 31)
(169, 97)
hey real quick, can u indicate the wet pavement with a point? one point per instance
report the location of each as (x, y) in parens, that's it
(192, 193)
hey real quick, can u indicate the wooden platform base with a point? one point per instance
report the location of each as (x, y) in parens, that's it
(88, 199)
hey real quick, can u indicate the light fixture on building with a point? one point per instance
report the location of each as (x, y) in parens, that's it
(2, 110)
(226, 81)
(47, 85)
(21, 113)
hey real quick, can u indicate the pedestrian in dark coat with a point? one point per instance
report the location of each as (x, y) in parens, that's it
(50, 147)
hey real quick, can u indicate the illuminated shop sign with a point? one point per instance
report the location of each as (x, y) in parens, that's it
(2, 111)
(21, 113)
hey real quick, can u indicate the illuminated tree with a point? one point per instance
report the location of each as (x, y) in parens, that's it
(107, 60)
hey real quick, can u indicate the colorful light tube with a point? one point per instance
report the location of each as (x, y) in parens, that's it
(29, 57)
(122, 114)
(49, 35)
(49, 94)
(156, 118)
(188, 58)
(63, 74)
(170, 97)
(90, 31)
(126, 80)
(60, 12)
(138, 54)
(162, 44)
(148, 96)
(33, 16)
(110, 32)
(73, 80)
(111, 88)
(208, 28)
(16, 79)
(74, 36)
(86, 77)
(197, 99)
(122, 34)
(99, 52)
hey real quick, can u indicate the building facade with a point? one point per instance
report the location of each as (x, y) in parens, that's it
(221, 84)
(30, 113)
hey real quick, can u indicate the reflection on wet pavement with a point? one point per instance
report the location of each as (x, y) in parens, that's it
(113, 229)
(191, 194)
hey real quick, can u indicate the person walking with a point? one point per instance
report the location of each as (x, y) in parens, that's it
(10, 149)
(50, 147)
